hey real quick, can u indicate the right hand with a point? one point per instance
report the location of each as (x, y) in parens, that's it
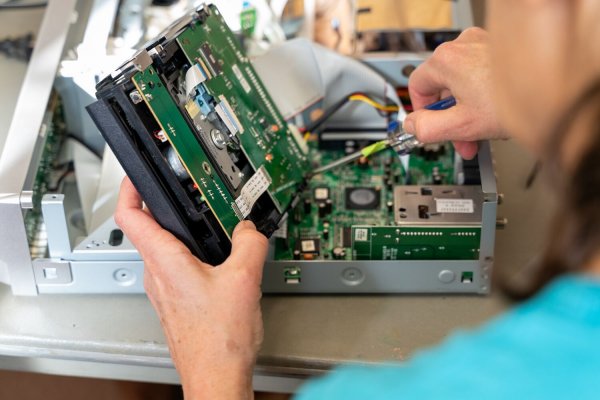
(460, 68)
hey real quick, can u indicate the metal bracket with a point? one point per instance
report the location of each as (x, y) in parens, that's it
(51, 272)
(53, 210)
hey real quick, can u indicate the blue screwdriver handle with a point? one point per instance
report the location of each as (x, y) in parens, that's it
(404, 142)
(443, 104)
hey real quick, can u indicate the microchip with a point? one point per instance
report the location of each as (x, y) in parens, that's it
(308, 246)
(321, 193)
(347, 236)
(212, 61)
(363, 198)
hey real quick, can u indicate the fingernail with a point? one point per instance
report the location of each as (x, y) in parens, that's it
(246, 224)
(409, 126)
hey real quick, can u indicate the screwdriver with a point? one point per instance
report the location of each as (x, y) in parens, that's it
(402, 142)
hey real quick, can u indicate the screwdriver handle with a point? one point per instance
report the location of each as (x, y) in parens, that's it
(403, 143)
(443, 104)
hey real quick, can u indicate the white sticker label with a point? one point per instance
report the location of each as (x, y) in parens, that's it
(308, 246)
(241, 79)
(454, 206)
(361, 235)
(282, 232)
(252, 190)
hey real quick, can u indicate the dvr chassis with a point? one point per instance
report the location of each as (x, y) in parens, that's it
(106, 262)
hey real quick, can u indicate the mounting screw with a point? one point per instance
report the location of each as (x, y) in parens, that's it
(501, 222)
(218, 138)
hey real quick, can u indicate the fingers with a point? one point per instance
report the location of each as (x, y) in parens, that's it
(438, 126)
(129, 215)
(151, 240)
(425, 85)
(249, 249)
(467, 150)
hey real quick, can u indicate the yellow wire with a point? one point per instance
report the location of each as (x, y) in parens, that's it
(365, 99)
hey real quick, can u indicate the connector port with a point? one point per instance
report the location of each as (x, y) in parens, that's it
(292, 275)
(466, 277)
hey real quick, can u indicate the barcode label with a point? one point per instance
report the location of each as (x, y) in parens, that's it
(361, 235)
(454, 206)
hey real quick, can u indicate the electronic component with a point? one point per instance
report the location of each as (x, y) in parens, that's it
(363, 198)
(322, 210)
(438, 205)
(200, 137)
(433, 223)
(307, 206)
(338, 253)
(308, 248)
(321, 193)
(346, 236)
(411, 243)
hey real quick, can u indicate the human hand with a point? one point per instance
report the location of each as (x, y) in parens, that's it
(210, 315)
(460, 68)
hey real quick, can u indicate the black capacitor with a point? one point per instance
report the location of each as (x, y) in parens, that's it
(328, 206)
(326, 234)
(307, 206)
(298, 217)
(322, 210)
(390, 205)
(296, 254)
(389, 183)
(437, 178)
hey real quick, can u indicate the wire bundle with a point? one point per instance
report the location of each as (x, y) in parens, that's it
(317, 125)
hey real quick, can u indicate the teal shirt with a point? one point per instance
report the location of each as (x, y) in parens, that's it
(546, 348)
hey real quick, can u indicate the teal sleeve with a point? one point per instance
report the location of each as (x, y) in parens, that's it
(543, 349)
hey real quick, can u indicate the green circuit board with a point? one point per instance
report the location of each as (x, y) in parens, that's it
(411, 243)
(333, 233)
(225, 85)
(208, 85)
(55, 133)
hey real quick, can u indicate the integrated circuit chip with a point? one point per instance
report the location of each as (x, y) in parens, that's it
(363, 198)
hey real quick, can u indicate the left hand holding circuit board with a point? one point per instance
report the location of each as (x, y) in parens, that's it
(211, 316)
